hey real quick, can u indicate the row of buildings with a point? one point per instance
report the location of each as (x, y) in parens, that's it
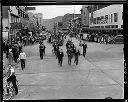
(17, 20)
(95, 18)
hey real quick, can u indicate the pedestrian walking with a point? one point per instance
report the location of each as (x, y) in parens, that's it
(57, 51)
(10, 57)
(41, 50)
(60, 57)
(77, 54)
(70, 54)
(84, 49)
(22, 58)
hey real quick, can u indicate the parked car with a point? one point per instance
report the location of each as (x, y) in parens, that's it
(118, 39)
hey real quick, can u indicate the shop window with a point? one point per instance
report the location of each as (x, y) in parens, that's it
(98, 20)
(115, 17)
(112, 26)
(116, 26)
(94, 20)
(107, 26)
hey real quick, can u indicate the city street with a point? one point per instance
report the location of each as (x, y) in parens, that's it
(100, 74)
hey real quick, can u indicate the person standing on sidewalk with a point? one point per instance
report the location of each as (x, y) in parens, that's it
(60, 57)
(22, 58)
(84, 49)
(4, 46)
(12, 77)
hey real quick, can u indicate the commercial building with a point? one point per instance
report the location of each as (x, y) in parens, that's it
(85, 16)
(14, 20)
(108, 17)
(10, 21)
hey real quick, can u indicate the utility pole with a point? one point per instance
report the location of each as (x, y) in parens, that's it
(9, 21)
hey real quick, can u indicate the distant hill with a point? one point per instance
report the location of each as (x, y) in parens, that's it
(49, 23)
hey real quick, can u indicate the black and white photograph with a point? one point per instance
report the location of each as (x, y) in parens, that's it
(62, 51)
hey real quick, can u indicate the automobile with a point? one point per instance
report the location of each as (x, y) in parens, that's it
(118, 39)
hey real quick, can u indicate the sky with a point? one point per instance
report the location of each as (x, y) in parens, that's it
(52, 11)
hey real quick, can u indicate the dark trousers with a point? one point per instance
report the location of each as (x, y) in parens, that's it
(69, 59)
(4, 49)
(7, 54)
(13, 80)
(84, 52)
(41, 54)
(15, 58)
(60, 60)
(22, 63)
(76, 60)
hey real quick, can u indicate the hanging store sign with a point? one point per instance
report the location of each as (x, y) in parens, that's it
(13, 10)
(16, 25)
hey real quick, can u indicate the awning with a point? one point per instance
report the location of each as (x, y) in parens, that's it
(85, 28)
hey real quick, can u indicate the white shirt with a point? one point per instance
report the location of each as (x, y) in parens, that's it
(22, 55)
(11, 71)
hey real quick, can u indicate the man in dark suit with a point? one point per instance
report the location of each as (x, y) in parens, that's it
(84, 49)
(60, 57)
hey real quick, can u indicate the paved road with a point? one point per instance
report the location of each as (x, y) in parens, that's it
(98, 75)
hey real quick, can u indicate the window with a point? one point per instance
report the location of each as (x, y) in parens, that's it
(102, 26)
(106, 18)
(94, 20)
(121, 26)
(107, 26)
(111, 18)
(116, 26)
(98, 20)
(11, 19)
(115, 17)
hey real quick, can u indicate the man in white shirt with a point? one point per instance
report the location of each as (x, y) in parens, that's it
(22, 58)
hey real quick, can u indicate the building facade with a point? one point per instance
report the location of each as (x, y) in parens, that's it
(85, 16)
(108, 17)
(10, 21)
(14, 20)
